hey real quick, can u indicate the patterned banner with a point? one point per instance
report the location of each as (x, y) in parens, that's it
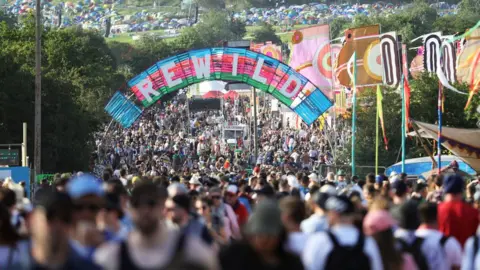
(269, 49)
(468, 63)
(232, 64)
(312, 56)
(123, 110)
(365, 41)
(431, 51)
(390, 59)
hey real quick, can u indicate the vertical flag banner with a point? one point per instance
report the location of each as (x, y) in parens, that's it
(353, 62)
(416, 66)
(390, 59)
(449, 61)
(468, 64)
(122, 110)
(311, 56)
(439, 112)
(365, 42)
(406, 86)
(431, 55)
(380, 115)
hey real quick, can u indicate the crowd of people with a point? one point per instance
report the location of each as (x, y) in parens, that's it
(272, 219)
(173, 194)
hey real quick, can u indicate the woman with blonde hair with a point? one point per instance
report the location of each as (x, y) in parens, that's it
(379, 225)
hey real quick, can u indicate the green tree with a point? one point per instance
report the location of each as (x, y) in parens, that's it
(423, 107)
(79, 76)
(265, 33)
(215, 28)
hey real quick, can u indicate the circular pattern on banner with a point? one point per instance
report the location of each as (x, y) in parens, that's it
(372, 61)
(322, 60)
(297, 37)
(325, 59)
(271, 51)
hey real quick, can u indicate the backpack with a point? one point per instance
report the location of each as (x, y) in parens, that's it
(347, 257)
(415, 249)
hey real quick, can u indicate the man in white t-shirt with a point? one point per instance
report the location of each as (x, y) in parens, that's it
(451, 255)
(151, 244)
(340, 212)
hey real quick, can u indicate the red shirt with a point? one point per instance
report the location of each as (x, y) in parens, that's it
(458, 219)
(241, 212)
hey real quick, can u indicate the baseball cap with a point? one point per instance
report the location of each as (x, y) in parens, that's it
(453, 183)
(340, 204)
(83, 185)
(377, 221)
(232, 189)
(399, 188)
(265, 219)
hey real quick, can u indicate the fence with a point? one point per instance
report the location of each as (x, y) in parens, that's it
(361, 171)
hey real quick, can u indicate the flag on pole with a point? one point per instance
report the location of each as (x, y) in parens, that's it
(380, 115)
(353, 61)
(406, 86)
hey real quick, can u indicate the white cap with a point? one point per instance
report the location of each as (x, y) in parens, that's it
(232, 189)
(392, 174)
(313, 176)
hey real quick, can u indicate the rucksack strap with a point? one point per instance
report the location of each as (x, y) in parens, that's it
(444, 240)
(360, 242)
(334, 240)
(475, 248)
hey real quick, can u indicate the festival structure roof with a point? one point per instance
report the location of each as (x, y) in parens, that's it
(463, 143)
(213, 94)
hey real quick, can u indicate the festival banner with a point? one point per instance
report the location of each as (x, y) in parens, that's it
(365, 42)
(232, 64)
(269, 49)
(468, 63)
(312, 54)
(416, 66)
(390, 59)
(122, 110)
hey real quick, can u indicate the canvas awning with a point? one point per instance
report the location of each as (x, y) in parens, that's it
(463, 143)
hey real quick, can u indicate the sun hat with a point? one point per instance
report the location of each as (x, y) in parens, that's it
(195, 181)
(377, 221)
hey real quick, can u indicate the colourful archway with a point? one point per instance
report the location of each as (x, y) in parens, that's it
(232, 64)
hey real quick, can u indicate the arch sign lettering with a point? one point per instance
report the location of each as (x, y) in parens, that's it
(232, 64)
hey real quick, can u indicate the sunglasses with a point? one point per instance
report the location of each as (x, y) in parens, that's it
(85, 206)
(216, 197)
(150, 203)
